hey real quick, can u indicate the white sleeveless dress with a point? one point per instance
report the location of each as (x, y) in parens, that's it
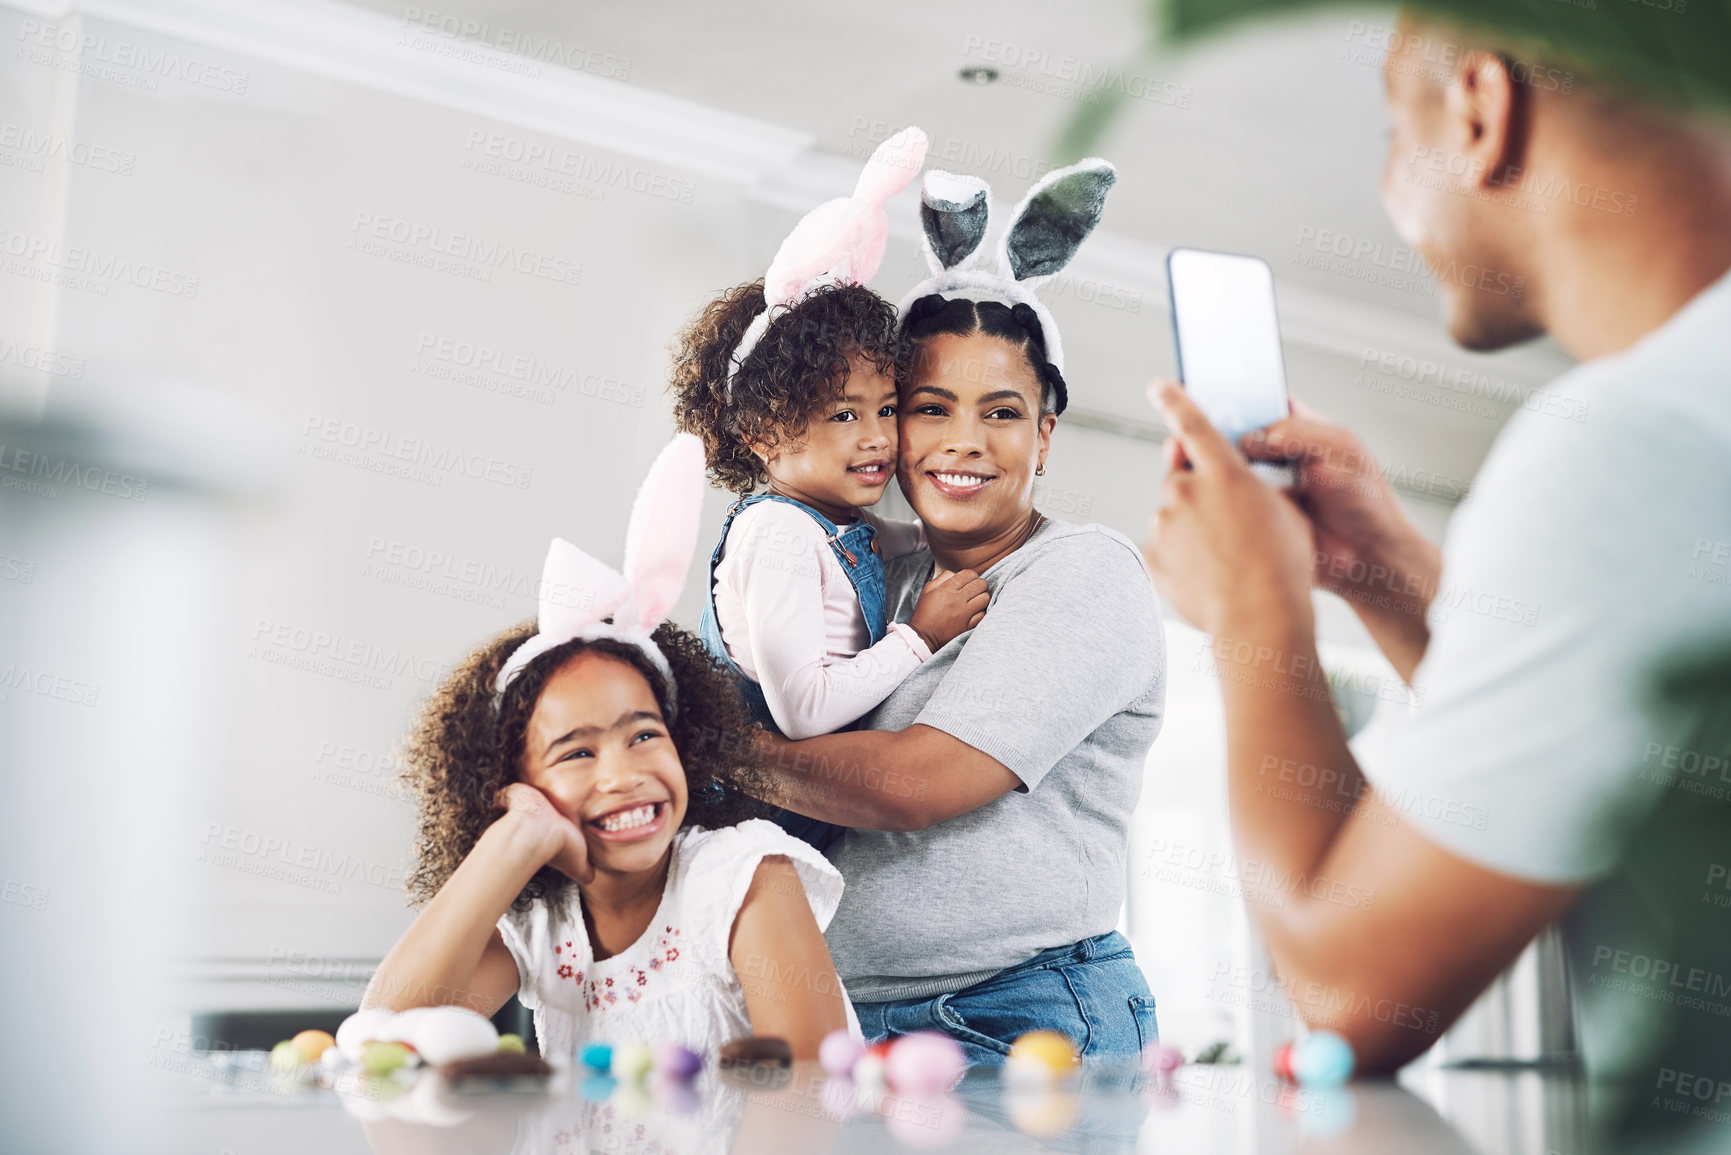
(675, 984)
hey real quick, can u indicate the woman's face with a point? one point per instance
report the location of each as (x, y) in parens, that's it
(596, 745)
(971, 434)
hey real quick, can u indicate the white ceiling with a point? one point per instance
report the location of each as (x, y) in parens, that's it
(1279, 134)
(1256, 142)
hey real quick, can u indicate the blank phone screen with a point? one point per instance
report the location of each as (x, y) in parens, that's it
(1228, 338)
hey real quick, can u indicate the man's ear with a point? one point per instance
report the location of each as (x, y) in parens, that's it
(1488, 107)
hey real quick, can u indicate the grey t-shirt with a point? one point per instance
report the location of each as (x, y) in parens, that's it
(1064, 682)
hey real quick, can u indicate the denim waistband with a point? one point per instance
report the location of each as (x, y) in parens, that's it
(1101, 945)
(881, 990)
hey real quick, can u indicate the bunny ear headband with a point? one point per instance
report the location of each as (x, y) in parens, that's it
(578, 592)
(1045, 231)
(840, 241)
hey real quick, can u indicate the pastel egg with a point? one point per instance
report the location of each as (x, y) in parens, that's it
(1283, 1062)
(361, 1027)
(632, 1061)
(383, 1058)
(839, 1051)
(445, 1034)
(1161, 1060)
(868, 1073)
(1041, 1056)
(924, 1063)
(313, 1045)
(512, 1045)
(597, 1056)
(285, 1056)
(678, 1063)
(1322, 1059)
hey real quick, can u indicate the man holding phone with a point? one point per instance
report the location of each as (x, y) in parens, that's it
(1534, 726)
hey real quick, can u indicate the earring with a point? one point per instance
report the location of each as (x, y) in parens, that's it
(1041, 470)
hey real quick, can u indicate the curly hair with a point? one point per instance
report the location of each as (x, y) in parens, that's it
(462, 752)
(801, 363)
(961, 317)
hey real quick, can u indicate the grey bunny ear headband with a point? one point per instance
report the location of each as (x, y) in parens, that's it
(1045, 230)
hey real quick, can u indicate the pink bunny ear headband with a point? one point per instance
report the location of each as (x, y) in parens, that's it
(839, 242)
(1046, 229)
(578, 592)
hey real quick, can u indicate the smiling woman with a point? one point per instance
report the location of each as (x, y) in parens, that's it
(997, 781)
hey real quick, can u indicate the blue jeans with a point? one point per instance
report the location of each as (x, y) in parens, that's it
(1092, 991)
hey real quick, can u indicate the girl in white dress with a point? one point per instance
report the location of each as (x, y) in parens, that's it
(571, 848)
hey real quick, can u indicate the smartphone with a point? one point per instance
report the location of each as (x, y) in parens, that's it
(1227, 335)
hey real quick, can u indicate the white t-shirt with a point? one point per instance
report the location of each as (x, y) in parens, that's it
(1596, 545)
(675, 984)
(791, 621)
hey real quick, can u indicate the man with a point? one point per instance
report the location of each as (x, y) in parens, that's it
(1544, 786)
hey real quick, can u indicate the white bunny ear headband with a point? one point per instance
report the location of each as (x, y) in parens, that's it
(579, 592)
(839, 242)
(1045, 230)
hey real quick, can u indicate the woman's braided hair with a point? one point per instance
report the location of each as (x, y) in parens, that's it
(1018, 324)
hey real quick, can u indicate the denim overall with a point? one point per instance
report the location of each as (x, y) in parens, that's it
(858, 555)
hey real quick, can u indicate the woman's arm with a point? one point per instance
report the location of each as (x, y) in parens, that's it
(883, 779)
(791, 988)
(452, 954)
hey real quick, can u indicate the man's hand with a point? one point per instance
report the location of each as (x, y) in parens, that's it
(559, 839)
(1228, 551)
(949, 604)
(1366, 550)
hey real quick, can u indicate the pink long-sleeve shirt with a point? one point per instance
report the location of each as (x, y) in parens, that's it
(791, 621)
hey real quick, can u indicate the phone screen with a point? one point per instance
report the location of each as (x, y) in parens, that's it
(1228, 338)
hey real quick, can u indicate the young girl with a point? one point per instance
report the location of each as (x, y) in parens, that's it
(571, 850)
(790, 381)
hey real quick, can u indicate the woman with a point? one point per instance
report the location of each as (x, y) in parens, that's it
(990, 797)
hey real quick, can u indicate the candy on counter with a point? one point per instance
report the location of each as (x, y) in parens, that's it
(839, 1051)
(677, 1063)
(631, 1061)
(755, 1050)
(512, 1045)
(1041, 1057)
(1321, 1060)
(924, 1063)
(597, 1056)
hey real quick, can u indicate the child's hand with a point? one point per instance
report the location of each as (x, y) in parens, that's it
(949, 604)
(559, 837)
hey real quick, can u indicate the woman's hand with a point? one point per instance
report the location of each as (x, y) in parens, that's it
(559, 839)
(949, 604)
(1229, 552)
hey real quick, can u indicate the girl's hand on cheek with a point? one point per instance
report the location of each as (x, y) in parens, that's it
(561, 840)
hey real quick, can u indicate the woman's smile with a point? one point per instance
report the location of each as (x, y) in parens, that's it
(959, 483)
